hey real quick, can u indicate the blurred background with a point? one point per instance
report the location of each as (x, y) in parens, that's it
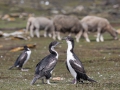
(14, 13)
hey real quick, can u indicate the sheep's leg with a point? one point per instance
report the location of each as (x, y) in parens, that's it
(31, 31)
(101, 38)
(78, 36)
(69, 34)
(53, 33)
(98, 35)
(37, 33)
(58, 35)
(46, 32)
(27, 27)
(49, 35)
(86, 36)
(49, 32)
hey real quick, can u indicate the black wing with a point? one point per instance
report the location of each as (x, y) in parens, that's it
(50, 66)
(42, 63)
(77, 59)
(76, 65)
(46, 64)
(81, 74)
(21, 59)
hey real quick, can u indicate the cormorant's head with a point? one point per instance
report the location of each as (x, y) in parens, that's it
(68, 38)
(70, 42)
(26, 48)
(54, 44)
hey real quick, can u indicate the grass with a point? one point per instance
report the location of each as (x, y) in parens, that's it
(101, 62)
(18, 23)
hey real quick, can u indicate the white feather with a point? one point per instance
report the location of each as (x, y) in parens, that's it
(54, 51)
(28, 53)
(70, 57)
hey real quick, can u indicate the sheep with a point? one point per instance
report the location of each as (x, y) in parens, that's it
(99, 25)
(29, 22)
(68, 24)
(42, 23)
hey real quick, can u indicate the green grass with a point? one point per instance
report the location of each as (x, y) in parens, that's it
(18, 23)
(101, 62)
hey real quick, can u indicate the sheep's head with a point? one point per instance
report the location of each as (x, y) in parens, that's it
(114, 33)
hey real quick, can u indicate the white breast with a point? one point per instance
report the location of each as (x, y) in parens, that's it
(70, 57)
(28, 53)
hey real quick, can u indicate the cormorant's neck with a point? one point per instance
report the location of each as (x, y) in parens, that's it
(27, 49)
(70, 46)
(53, 51)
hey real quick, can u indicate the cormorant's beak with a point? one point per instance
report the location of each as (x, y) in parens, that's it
(58, 43)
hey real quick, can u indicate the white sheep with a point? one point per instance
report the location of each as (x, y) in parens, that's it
(35, 24)
(99, 25)
(70, 24)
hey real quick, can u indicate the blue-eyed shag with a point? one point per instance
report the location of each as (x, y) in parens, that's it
(73, 63)
(45, 67)
(22, 59)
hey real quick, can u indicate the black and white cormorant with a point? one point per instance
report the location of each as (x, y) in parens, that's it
(22, 59)
(45, 67)
(73, 63)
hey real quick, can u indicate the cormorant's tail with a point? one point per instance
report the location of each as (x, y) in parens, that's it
(33, 81)
(11, 67)
(91, 80)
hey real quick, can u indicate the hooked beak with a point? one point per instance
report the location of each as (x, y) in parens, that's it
(58, 43)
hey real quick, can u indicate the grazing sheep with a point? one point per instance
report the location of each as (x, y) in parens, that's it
(29, 22)
(41, 23)
(99, 25)
(68, 24)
